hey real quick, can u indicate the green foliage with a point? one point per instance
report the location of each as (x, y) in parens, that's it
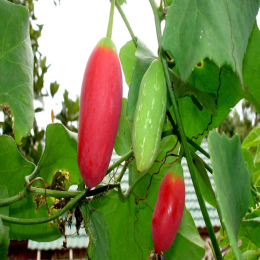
(127, 58)
(182, 89)
(251, 255)
(123, 138)
(14, 168)
(250, 164)
(246, 244)
(121, 1)
(204, 36)
(204, 183)
(250, 227)
(4, 229)
(231, 182)
(122, 214)
(16, 55)
(69, 112)
(54, 87)
(60, 154)
(98, 231)
(143, 59)
(216, 64)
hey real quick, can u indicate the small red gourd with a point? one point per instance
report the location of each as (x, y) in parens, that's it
(169, 209)
(99, 113)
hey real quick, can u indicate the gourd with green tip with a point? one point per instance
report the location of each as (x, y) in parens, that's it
(99, 113)
(149, 116)
(168, 211)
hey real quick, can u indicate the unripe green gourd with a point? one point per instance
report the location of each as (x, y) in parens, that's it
(149, 116)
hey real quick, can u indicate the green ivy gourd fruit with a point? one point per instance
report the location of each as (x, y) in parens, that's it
(99, 114)
(251, 255)
(169, 209)
(149, 116)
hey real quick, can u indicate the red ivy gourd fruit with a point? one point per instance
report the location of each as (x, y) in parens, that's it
(169, 209)
(99, 114)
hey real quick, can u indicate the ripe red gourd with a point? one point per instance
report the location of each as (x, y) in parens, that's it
(169, 209)
(99, 113)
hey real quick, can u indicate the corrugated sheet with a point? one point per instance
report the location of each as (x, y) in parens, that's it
(191, 201)
(76, 241)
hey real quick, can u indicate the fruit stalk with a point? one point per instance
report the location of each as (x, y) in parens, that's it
(111, 18)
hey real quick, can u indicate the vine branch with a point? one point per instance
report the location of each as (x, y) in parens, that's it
(183, 136)
(126, 23)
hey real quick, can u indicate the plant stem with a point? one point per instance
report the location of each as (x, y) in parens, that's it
(28, 178)
(183, 136)
(53, 193)
(126, 23)
(56, 193)
(7, 201)
(255, 193)
(122, 195)
(205, 164)
(167, 133)
(111, 18)
(180, 155)
(47, 219)
(176, 132)
(198, 148)
(121, 174)
(117, 163)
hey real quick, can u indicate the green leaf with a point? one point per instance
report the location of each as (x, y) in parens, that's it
(169, 2)
(16, 66)
(98, 231)
(121, 1)
(183, 89)
(60, 154)
(38, 109)
(13, 169)
(127, 58)
(188, 244)
(190, 41)
(209, 78)
(123, 141)
(232, 183)
(54, 88)
(250, 227)
(252, 138)
(204, 183)
(245, 245)
(4, 229)
(257, 156)
(144, 58)
(222, 238)
(249, 164)
(251, 67)
(256, 173)
(251, 255)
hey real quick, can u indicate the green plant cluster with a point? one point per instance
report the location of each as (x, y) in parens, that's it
(209, 67)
